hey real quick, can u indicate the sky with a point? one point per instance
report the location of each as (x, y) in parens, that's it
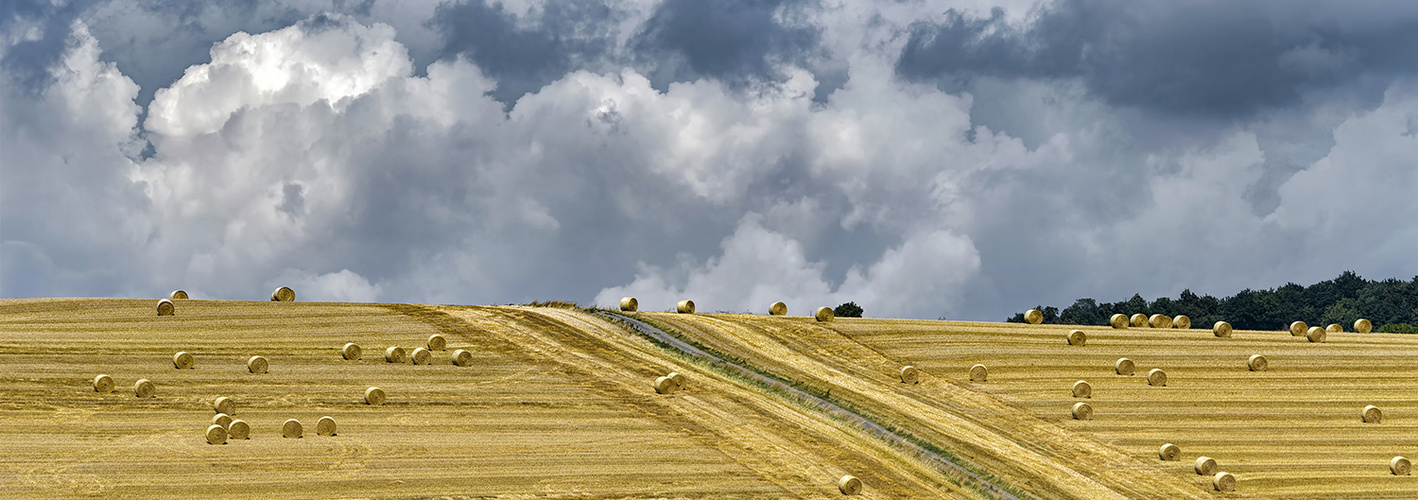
(923, 158)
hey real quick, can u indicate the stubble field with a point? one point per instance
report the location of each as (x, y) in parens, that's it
(1291, 431)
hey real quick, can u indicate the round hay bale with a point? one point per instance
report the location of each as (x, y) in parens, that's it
(1119, 321)
(979, 373)
(778, 309)
(1033, 316)
(351, 351)
(1298, 328)
(1371, 415)
(292, 429)
(665, 385)
(1362, 325)
(462, 357)
(1400, 466)
(395, 354)
(1139, 320)
(1082, 411)
(165, 307)
(823, 313)
(849, 485)
(1181, 322)
(257, 365)
(1082, 389)
(374, 396)
(1157, 377)
(436, 342)
(1077, 337)
(1221, 329)
(283, 294)
(1124, 366)
(1316, 334)
(680, 382)
(1205, 466)
(1334, 328)
(1257, 363)
(224, 405)
(239, 429)
(325, 426)
(177, 295)
(685, 307)
(1169, 452)
(910, 375)
(103, 384)
(629, 304)
(1224, 481)
(422, 356)
(223, 420)
(1160, 321)
(182, 360)
(144, 388)
(216, 434)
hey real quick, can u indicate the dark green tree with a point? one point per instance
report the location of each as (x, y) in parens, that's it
(848, 310)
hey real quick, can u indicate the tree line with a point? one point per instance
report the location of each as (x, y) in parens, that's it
(1392, 305)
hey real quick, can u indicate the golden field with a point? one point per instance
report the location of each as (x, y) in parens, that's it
(556, 404)
(1291, 431)
(559, 403)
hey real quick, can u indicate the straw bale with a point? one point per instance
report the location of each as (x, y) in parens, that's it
(283, 294)
(1082, 411)
(103, 384)
(1157, 377)
(216, 434)
(777, 309)
(292, 429)
(462, 357)
(629, 304)
(144, 388)
(1082, 389)
(979, 373)
(374, 396)
(1169, 452)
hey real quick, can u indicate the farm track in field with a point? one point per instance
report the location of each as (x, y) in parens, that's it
(1292, 431)
(557, 404)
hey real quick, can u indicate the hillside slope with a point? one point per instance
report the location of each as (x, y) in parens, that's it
(556, 404)
(1291, 431)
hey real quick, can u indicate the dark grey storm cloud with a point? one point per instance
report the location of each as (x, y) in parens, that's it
(1224, 59)
(729, 40)
(565, 36)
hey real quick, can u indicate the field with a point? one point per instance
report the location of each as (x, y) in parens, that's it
(556, 404)
(1291, 431)
(559, 403)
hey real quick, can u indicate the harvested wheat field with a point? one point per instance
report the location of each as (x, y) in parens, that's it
(1291, 430)
(556, 403)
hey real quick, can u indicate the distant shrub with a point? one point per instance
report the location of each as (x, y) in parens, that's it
(848, 310)
(1398, 328)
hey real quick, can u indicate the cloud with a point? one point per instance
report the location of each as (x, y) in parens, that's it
(323, 153)
(1211, 59)
(732, 41)
(758, 267)
(341, 286)
(525, 52)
